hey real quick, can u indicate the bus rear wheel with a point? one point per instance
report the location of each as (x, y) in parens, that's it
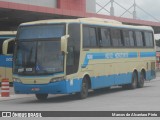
(41, 96)
(141, 80)
(84, 89)
(133, 85)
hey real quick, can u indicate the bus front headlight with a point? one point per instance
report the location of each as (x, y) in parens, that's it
(16, 80)
(57, 79)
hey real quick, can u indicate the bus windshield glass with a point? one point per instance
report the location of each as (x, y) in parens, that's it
(39, 53)
(41, 31)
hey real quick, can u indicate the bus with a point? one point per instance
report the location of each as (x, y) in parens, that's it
(6, 52)
(158, 60)
(72, 56)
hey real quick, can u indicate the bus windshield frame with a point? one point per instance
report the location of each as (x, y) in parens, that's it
(34, 52)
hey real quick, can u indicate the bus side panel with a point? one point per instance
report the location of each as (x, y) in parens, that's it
(110, 80)
(74, 85)
(6, 67)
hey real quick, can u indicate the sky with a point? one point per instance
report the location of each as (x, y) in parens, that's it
(150, 6)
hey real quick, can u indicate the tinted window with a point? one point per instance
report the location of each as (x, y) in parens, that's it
(1, 44)
(126, 38)
(139, 38)
(86, 41)
(41, 31)
(89, 37)
(93, 40)
(131, 38)
(73, 48)
(148, 39)
(116, 37)
(10, 47)
(105, 38)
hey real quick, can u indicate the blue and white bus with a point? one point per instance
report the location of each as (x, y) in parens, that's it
(72, 56)
(6, 54)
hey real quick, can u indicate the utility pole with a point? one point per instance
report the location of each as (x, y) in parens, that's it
(112, 8)
(134, 12)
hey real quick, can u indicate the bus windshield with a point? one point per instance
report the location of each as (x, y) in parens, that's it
(39, 53)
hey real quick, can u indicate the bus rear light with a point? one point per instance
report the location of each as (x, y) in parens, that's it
(16, 80)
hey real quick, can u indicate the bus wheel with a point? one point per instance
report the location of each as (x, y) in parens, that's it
(41, 96)
(84, 90)
(133, 85)
(141, 80)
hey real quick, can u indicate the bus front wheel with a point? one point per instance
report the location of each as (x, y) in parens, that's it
(84, 89)
(41, 96)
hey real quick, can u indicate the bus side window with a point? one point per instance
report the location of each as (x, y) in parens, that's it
(93, 38)
(86, 39)
(10, 47)
(139, 39)
(116, 38)
(105, 38)
(126, 38)
(148, 39)
(131, 38)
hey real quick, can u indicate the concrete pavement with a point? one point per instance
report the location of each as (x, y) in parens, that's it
(18, 96)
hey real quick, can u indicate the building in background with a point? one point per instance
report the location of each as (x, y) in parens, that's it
(14, 12)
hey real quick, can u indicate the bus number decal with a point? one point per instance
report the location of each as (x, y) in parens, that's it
(90, 56)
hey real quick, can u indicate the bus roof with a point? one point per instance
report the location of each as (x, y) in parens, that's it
(90, 21)
(8, 32)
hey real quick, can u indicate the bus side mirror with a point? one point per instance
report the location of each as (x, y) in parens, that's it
(5, 45)
(64, 42)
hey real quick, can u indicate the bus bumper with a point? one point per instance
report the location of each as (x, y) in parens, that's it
(61, 87)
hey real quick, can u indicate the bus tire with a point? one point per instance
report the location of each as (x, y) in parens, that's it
(41, 96)
(134, 82)
(84, 89)
(141, 80)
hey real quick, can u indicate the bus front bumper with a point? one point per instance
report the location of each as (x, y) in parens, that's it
(61, 87)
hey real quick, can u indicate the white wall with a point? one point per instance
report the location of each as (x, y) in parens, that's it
(91, 6)
(45, 3)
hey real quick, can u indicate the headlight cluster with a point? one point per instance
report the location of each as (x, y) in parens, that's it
(16, 80)
(57, 79)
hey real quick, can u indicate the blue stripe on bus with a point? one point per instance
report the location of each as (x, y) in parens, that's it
(148, 54)
(71, 86)
(115, 55)
(6, 61)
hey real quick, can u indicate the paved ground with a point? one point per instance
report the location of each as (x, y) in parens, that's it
(117, 99)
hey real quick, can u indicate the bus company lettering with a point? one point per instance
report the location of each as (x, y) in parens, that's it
(109, 55)
(116, 55)
(121, 55)
(9, 59)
